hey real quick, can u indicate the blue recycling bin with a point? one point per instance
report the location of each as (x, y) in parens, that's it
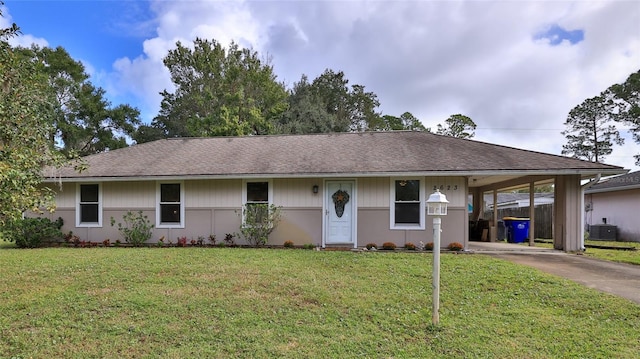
(517, 229)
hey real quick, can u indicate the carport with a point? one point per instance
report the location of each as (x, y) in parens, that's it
(568, 184)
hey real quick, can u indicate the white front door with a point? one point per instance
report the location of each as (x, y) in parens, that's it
(340, 208)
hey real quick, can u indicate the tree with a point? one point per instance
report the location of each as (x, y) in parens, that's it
(458, 126)
(623, 101)
(352, 109)
(590, 133)
(85, 121)
(306, 112)
(406, 121)
(26, 129)
(218, 92)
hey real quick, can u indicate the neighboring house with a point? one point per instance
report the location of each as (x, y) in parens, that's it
(517, 200)
(341, 189)
(616, 201)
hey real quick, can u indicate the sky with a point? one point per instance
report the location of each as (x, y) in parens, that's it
(516, 68)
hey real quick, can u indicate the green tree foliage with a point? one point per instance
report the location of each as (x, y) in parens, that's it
(85, 121)
(406, 121)
(590, 131)
(353, 109)
(623, 102)
(459, 126)
(218, 92)
(26, 128)
(328, 104)
(306, 112)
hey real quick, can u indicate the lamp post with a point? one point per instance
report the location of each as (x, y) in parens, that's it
(436, 206)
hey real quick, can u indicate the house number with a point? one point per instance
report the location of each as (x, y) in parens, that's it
(447, 188)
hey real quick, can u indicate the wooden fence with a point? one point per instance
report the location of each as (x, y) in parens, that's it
(543, 219)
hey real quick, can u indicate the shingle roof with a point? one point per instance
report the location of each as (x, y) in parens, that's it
(366, 153)
(618, 183)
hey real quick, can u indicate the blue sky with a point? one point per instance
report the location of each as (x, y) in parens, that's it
(515, 67)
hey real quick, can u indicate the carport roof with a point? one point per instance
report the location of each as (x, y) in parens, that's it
(324, 155)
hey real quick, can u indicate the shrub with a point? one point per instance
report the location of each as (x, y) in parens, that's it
(72, 239)
(388, 245)
(259, 220)
(410, 246)
(228, 239)
(288, 244)
(371, 246)
(455, 246)
(428, 246)
(182, 242)
(136, 229)
(32, 232)
(308, 246)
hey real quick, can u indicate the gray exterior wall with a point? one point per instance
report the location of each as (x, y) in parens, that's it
(620, 208)
(212, 207)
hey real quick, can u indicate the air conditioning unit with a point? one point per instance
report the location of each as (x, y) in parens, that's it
(603, 232)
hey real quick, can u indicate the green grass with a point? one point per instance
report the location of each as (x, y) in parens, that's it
(623, 256)
(614, 255)
(262, 303)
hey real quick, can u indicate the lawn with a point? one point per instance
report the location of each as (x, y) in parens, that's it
(624, 256)
(614, 255)
(273, 303)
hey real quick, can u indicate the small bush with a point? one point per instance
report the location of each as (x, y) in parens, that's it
(288, 244)
(182, 242)
(136, 229)
(259, 220)
(308, 246)
(428, 246)
(455, 246)
(371, 246)
(32, 232)
(410, 246)
(228, 239)
(388, 245)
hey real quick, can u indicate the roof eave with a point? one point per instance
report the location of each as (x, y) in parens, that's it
(585, 173)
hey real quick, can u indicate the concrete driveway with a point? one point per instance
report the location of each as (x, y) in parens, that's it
(616, 278)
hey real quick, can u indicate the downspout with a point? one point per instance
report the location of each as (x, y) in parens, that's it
(582, 189)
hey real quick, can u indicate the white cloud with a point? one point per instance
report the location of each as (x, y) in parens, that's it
(23, 40)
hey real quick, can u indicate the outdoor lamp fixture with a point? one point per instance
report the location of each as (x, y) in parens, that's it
(436, 206)
(315, 188)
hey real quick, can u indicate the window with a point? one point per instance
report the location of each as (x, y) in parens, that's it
(257, 196)
(89, 206)
(170, 208)
(407, 203)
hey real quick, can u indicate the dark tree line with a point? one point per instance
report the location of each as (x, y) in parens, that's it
(218, 91)
(232, 92)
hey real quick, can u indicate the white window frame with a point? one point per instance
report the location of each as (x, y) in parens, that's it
(244, 192)
(392, 204)
(158, 205)
(80, 224)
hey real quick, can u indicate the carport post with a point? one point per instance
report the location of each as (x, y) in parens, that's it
(436, 206)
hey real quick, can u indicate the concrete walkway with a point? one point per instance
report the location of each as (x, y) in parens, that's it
(616, 278)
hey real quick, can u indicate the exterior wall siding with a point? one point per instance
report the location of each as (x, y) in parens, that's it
(212, 208)
(620, 208)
